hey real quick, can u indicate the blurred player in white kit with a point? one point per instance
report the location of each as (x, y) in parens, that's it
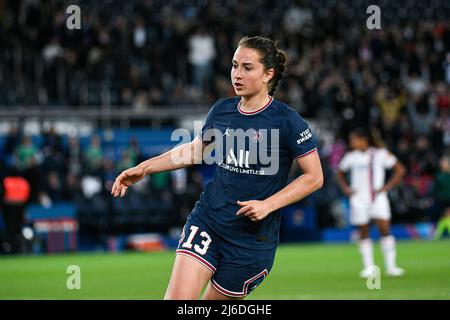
(367, 163)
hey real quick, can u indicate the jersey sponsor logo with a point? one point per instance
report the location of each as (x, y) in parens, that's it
(240, 165)
(251, 147)
(231, 168)
(305, 135)
(253, 151)
(231, 158)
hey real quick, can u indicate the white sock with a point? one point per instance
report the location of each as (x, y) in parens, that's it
(389, 252)
(366, 250)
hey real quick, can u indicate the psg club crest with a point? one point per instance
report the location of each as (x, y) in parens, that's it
(257, 136)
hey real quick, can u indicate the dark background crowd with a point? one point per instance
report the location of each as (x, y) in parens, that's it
(139, 55)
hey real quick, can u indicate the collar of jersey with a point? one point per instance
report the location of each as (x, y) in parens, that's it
(256, 111)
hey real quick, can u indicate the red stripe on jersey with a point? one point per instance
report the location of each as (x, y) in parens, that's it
(306, 153)
(244, 292)
(371, 190)
(226, 292)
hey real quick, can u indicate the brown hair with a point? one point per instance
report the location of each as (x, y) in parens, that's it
(373, 136)
(271, 57)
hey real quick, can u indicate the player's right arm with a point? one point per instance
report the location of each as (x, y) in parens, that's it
(342, 182)
(180, 157)
(344, 166)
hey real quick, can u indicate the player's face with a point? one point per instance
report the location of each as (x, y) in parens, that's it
(247, 73)
(357, 142)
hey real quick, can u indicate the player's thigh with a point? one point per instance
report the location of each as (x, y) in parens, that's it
(188, 279)
(384, 226)
(196, 260)
(359, 212)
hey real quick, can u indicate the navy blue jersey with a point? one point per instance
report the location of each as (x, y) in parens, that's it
(253, 153)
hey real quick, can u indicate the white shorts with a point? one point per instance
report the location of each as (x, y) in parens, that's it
(362, 210)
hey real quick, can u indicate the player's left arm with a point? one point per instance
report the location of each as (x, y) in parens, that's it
(310, 181)
(397, 176)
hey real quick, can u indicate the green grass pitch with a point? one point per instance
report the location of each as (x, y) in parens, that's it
(301, 271)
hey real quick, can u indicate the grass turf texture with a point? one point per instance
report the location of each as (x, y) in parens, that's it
(305, 271)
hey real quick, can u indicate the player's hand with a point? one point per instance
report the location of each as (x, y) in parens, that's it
(381, 190)
(255, 210)
(348, 192)
(377, 192)
(125, 179)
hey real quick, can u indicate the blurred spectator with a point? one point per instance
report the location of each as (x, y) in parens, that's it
(91, 186)
(442, 185)
(51, 141)
(160, 181)
(73, 158)
(420, 179)
(16, 194)
(423, 111)
(415, 85)
(54, 187)
(26, 154)
(179, 181)
(130, 156)
(12, 140)
(446, 66)
(109, 173)
(52, 51)
(201, 56)
(72, 188)
(27, 159)
(443, 225)
(296, 19)
(140, 33)
(127, 160)
(93, 156)
(443, 96)
(390, 103)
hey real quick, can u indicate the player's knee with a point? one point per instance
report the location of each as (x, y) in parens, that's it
(363, 232)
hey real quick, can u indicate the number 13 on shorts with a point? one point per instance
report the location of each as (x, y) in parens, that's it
(205, 243)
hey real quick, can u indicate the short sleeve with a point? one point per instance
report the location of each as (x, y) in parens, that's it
(344, 164)
(389, 160)
(206, 134)
(299, 138)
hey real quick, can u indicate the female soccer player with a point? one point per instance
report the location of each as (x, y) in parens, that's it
(367, 163)
(230, 237)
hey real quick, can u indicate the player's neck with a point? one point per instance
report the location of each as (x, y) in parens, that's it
(256, 102)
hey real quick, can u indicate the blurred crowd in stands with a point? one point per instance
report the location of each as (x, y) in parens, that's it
(58, 169)
(138, 54)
